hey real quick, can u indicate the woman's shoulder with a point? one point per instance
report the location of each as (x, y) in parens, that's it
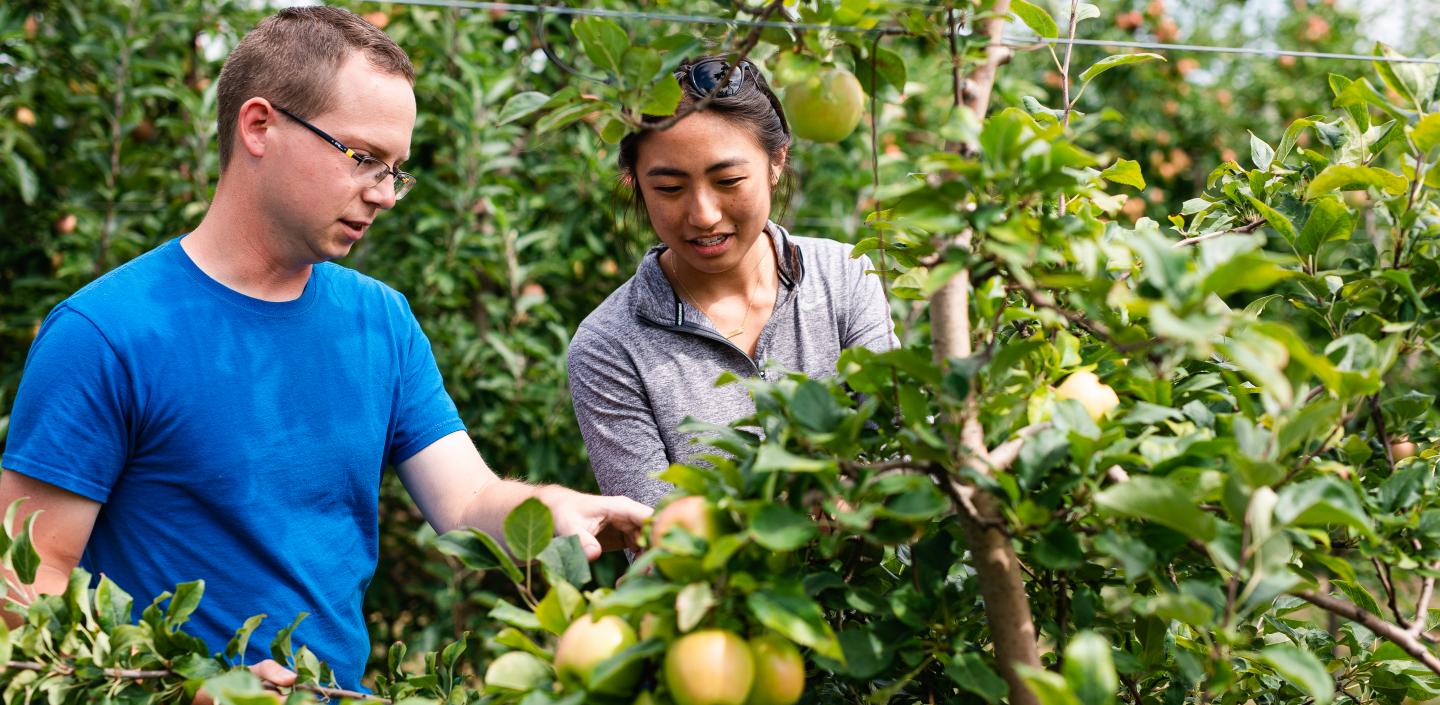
(828, 260)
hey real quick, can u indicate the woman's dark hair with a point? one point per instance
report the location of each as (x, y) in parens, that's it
(753, 107)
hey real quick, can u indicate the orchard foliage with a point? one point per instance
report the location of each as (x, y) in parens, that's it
(1254, 520)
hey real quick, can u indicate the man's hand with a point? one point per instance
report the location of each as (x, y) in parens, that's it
(601, 523)
(268, 670)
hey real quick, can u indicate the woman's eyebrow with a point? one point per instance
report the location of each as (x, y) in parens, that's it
(717, 166)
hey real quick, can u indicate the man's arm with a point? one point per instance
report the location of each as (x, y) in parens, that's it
(60, 533)
(455, 488)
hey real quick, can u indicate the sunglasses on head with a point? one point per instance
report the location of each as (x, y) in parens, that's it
(705, 76)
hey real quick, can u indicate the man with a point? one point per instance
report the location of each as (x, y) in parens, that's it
(222, 406)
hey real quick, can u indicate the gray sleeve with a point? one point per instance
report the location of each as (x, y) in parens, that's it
(868, 321)
(616, 421)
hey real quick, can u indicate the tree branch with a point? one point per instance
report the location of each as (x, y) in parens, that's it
(751, 39)
(135, 674)
(1394, 634)
(1249, 227)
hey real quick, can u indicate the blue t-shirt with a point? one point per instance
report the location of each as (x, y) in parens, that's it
(232, 439)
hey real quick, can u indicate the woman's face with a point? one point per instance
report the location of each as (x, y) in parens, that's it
(706, 184)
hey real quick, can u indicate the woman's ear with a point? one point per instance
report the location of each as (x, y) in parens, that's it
(777, 167)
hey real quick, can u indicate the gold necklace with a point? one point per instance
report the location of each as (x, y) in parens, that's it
(749, 298)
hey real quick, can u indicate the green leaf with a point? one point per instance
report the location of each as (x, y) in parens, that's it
(780, 528)
(1125, 171)
(235, 650)
(1413, 81)
(603, 40)
(236, 686)
(112, 604)
(866, 654)
(773, 458)
(1036, 18)
(1323, 501)
(637, 591)
(692, 604)
(1329, 220)
(1090, 669)
(797, 618)
(521, 105)
(972, 673)
(556, 610)
(477, 550)
(1278, 221)
(183, 603)
(564, 559)
(663, 98)
(191, 666)
(516, 639)
(640, 66)
(516, 671)
(814, 408)
(616, 675)
(1161, 501)
(529, 529)
(281, 648)
(1049, 688)
(1111, 62)
(1303, 669)
(514, 616)
(24, 559)
(567, 114)
(1349, 177)
(1261, 153)
(24, 178)
(1426, 133)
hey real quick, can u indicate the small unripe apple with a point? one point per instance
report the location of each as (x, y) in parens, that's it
(1403, 448)
(779, 672)
(825, 107)
(709, 667)
(587, 642)
(696, 516)
(1096, 396)
(66, 224)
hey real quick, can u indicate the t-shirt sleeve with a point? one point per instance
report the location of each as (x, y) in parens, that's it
(75, 412)
(616, 421)
(425, 412)
(869, 321)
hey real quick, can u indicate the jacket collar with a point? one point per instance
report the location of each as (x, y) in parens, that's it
(652, 296)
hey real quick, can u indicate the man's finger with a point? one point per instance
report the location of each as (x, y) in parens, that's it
(272, 671)
(589, 545)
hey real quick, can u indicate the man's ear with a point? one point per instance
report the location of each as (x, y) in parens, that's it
(253, 125)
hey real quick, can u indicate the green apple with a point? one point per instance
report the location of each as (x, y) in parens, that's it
(587, 642)
(709, 667)
(1096, 396)
(779, 672)
(825, 107)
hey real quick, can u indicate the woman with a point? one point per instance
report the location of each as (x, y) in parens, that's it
(727, 290)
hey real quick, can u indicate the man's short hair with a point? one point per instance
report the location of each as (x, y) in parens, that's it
(291, 59)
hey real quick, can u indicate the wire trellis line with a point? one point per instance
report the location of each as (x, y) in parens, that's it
(1010, 40)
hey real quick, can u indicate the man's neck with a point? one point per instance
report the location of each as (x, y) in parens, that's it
(244, 253)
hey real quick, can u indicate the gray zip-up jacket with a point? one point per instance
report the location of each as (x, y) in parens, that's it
(645, 359)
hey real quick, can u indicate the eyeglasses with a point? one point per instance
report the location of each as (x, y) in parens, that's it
(369, 171)
(705, 76)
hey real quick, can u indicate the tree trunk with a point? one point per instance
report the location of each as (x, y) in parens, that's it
(1007, 608)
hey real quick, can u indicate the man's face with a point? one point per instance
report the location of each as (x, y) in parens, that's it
(311, 193)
